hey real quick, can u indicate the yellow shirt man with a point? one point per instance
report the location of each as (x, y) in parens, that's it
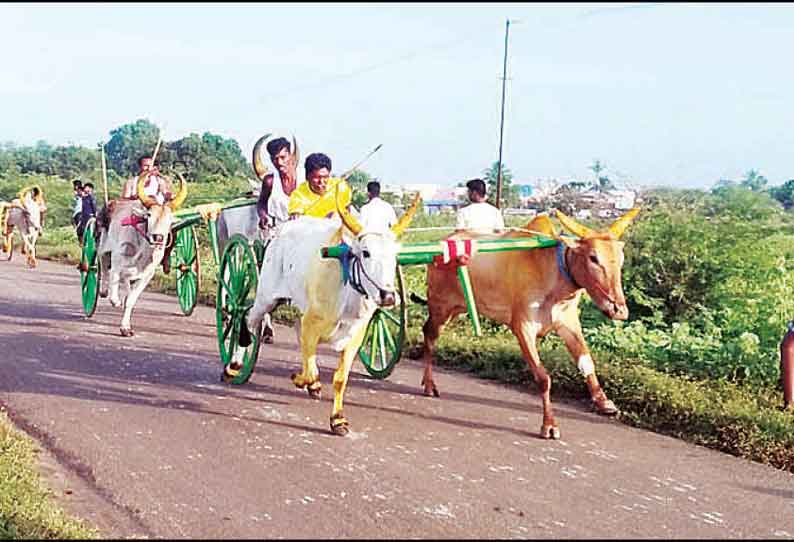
(304, 201)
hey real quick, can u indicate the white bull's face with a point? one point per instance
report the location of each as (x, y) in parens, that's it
(159, 224)
(377, 253)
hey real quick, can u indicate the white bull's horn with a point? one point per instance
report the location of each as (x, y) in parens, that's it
(179, 199)
(407, 217)
(260, 168)
(296, 155)
(347, 219)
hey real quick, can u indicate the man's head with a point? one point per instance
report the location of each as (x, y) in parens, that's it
(77, 185)
(146, 163)
(88, 188)
(279, 150)
(373, 189)
(476, 190)
(318, 171)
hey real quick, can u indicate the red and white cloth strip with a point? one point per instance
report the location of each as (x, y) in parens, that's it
(452, 249)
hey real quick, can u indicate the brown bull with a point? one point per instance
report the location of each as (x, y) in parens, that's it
(534, 292)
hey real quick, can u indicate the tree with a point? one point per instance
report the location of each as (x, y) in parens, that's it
(128, 143)
(754, 181)
(510, 194)
(784, 194)
(358, 182)
(597, 168)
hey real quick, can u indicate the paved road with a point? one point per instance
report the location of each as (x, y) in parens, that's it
(143, 440)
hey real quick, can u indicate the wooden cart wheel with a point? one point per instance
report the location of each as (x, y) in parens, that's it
(237, 280)
(383, 342)
(89, 275)
(185, 260)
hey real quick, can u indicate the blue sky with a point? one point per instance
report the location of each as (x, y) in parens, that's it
(665, 94)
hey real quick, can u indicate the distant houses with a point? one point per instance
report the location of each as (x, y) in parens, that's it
(578, 198)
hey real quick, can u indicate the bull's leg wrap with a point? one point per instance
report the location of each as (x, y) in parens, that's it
(585, 365)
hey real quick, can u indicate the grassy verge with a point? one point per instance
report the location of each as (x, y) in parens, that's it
(742, 421)
(26, 508)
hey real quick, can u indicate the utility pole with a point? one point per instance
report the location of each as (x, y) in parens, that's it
(502, 124)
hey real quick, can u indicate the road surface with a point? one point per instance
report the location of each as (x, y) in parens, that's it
(142, 440)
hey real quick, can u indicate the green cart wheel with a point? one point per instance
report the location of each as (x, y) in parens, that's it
(89, 276)
(383, 342)
(237, 279)
(185, 260)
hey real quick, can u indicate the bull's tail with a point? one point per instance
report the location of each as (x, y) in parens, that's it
(416, 299)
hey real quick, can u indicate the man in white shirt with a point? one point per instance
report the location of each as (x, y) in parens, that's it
(274, 196)
(479, 215)
(155, 186)
(376, 215)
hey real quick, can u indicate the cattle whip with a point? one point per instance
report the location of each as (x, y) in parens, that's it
(350, 171)
(104, 173)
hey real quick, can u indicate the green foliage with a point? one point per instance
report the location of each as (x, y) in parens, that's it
(510, 194)
(784, 194)
(358, 182)
(200, 158)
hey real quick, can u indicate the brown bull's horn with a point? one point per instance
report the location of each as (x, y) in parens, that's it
(407, 217)
(347, 219)
(619, 226)
(573, 226)
(259, 167)
(147, 201)
(179, 199)
(296, 155)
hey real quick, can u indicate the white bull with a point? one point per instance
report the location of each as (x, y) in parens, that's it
(334, 309)
(26, 214)
(126, 254)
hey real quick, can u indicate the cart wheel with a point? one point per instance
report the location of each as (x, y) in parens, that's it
(185, 259)
(237, 279)
(383, 343)
(89, 276)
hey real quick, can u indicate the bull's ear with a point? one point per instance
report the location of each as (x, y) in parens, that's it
(619, 226)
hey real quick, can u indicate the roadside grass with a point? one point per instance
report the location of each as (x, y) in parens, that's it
(27, 510)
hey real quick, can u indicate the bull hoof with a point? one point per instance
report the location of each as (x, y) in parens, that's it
(267, 336)
(339, 425)
(230, 372)
(315, 391)
(550, 431)
(431, 391)
(606, 408)
(103, 294)
(115, 303)
(127, 332)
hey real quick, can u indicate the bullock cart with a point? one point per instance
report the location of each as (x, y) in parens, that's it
(184, 257)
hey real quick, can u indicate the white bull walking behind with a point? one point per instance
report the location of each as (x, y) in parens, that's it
(25, 213)
(130, 254)
(336, 297)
